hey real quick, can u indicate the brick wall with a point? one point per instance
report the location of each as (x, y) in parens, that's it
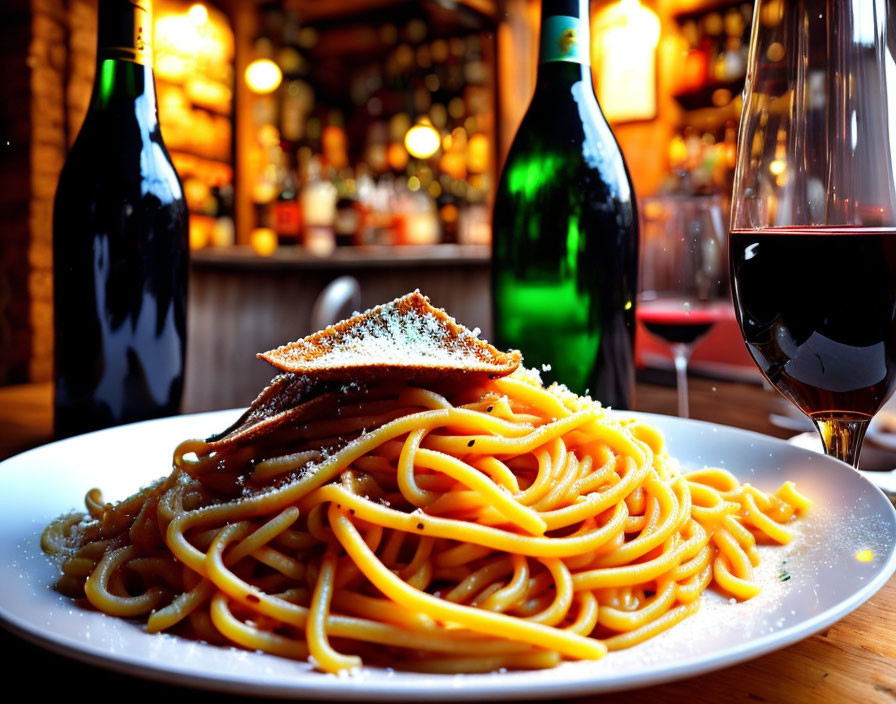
(47, 50)
(81, 62)
(47, 59)
(15, 189)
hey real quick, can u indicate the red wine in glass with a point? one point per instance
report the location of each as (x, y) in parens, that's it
(678, 320)
(817, 308)
(682, 277)
(813, 218)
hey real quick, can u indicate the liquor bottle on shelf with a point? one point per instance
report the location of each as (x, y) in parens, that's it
(347, 220)
(287, 212)
(565, 228)
(318, 204)
(120, 245)
(296, 95)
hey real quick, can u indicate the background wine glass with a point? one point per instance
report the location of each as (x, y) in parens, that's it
(813, 239)
(683, 283)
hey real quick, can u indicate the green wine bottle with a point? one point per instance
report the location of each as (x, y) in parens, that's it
(565, 227)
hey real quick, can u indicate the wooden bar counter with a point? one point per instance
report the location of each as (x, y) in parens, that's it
(852, 661)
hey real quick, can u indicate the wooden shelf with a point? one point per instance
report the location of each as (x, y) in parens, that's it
(182, 154)
(702, 97)
(356, 35)
(703, 9)
(314, 11)
(710, 119)
(355, 258)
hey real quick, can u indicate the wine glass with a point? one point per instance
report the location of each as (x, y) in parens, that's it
(813, 223)
(683, 279)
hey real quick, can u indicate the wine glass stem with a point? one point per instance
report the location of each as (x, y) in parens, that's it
(681, 354)
(842, 438)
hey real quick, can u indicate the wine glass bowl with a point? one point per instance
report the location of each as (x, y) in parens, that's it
(683, 281)
(813, 228)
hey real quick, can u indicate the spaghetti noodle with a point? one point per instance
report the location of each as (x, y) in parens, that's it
(496, 523)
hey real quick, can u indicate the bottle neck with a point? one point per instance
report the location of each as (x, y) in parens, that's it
(124, 58)
(565, 33)
(124, 31)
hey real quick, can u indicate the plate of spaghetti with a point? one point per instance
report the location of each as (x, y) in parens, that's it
(408, 510)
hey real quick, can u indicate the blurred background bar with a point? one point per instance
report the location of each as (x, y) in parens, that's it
(321, 139)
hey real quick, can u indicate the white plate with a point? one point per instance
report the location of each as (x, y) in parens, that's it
(827, 581)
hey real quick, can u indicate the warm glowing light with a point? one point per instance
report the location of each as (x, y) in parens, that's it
(223, 234)
(449, 213)
(335, 146)
(176, 34)
(422, 140)
(678, 151)
(396, 156)
(777, 167)
(721, 97)
(263, 76)
(478, 152)
(625, 38)
(865, 555)
(419, 228)
(188, 43)
(775, 52)
(208, 93)
(198, 13)
(200, 231)
(268, 136)
(264, 241)
(454, 163)
(772, 13)
(170, 67)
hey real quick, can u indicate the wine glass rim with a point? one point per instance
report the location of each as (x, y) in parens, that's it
(682, 196)
(819, 229)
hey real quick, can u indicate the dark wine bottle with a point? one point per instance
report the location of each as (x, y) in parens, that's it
(565, 227)
(120, 245)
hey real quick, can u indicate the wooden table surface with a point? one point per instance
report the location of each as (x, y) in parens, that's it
(852, 661)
